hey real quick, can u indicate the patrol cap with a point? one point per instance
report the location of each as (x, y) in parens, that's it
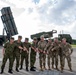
(49, 39)
(12, 38)
(19, 36)
(27, 39)
(35, 38)
(42, 36)
(64, 39)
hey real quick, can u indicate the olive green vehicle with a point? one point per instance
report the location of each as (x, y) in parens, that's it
(67, 36)
(50, 34)
(45, 34)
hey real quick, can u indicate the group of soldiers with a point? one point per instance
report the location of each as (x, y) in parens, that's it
(54, 50)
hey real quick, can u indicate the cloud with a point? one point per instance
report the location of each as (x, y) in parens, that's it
(27, 24)
(36, 1)
(59, 15)
(7, 3)
(54, 12)
(33, 16)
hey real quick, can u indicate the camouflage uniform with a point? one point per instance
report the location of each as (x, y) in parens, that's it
(55, 53)
(48, 49)
(33, 55)
(25, 55)
(42, 56)
(66, 52)
(17, 53)
(9, 49)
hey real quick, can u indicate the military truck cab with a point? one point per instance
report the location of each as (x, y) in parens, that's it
(67, 36)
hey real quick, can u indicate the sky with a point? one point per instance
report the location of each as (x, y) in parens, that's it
(34, 16)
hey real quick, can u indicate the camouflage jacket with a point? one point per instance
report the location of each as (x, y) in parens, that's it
(66, 49)
(48, 47)
(17, 50)
(27, 45)
(34, 45)
(55, 46)
(42, 45)
(9, 48)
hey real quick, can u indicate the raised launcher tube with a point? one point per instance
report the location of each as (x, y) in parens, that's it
(46, 34)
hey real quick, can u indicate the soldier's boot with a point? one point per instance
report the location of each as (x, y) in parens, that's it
(10, 71)
(61, 69)
(32, 69)
(1, 71)
(52, 66)
(21, 68)
(27, 69)
(17, 70)
(49, 68)
(57, 68)
(70, 69)
(41, 69)
(44, 68)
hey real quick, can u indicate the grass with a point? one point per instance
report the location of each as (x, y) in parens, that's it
(73, 45)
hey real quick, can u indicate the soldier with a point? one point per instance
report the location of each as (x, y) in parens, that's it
(55, 52)
(67, 51)
(8, 54)
(48, 49)
(33, 54)
(25, 54)
(17, 52)
(42, 56)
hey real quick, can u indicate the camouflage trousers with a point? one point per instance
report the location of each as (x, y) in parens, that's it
(49, 57)
(62, 61)
(26, 58)
(17, 57)
(42, 60)
(10, 57)
(55, 59)
(32, 59)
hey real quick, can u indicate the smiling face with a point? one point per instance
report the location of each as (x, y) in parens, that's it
(64, 40)
(49, 40)
(11, 40)
(42, 38)
(35, 40)
(55, 39)
(26, 40)
(19, 38)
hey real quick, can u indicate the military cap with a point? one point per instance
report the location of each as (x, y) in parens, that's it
(19, 36)
(12, 38)
(35, 38)
(64, 39)
(49, 39)
(42, 36)
(26, 38)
